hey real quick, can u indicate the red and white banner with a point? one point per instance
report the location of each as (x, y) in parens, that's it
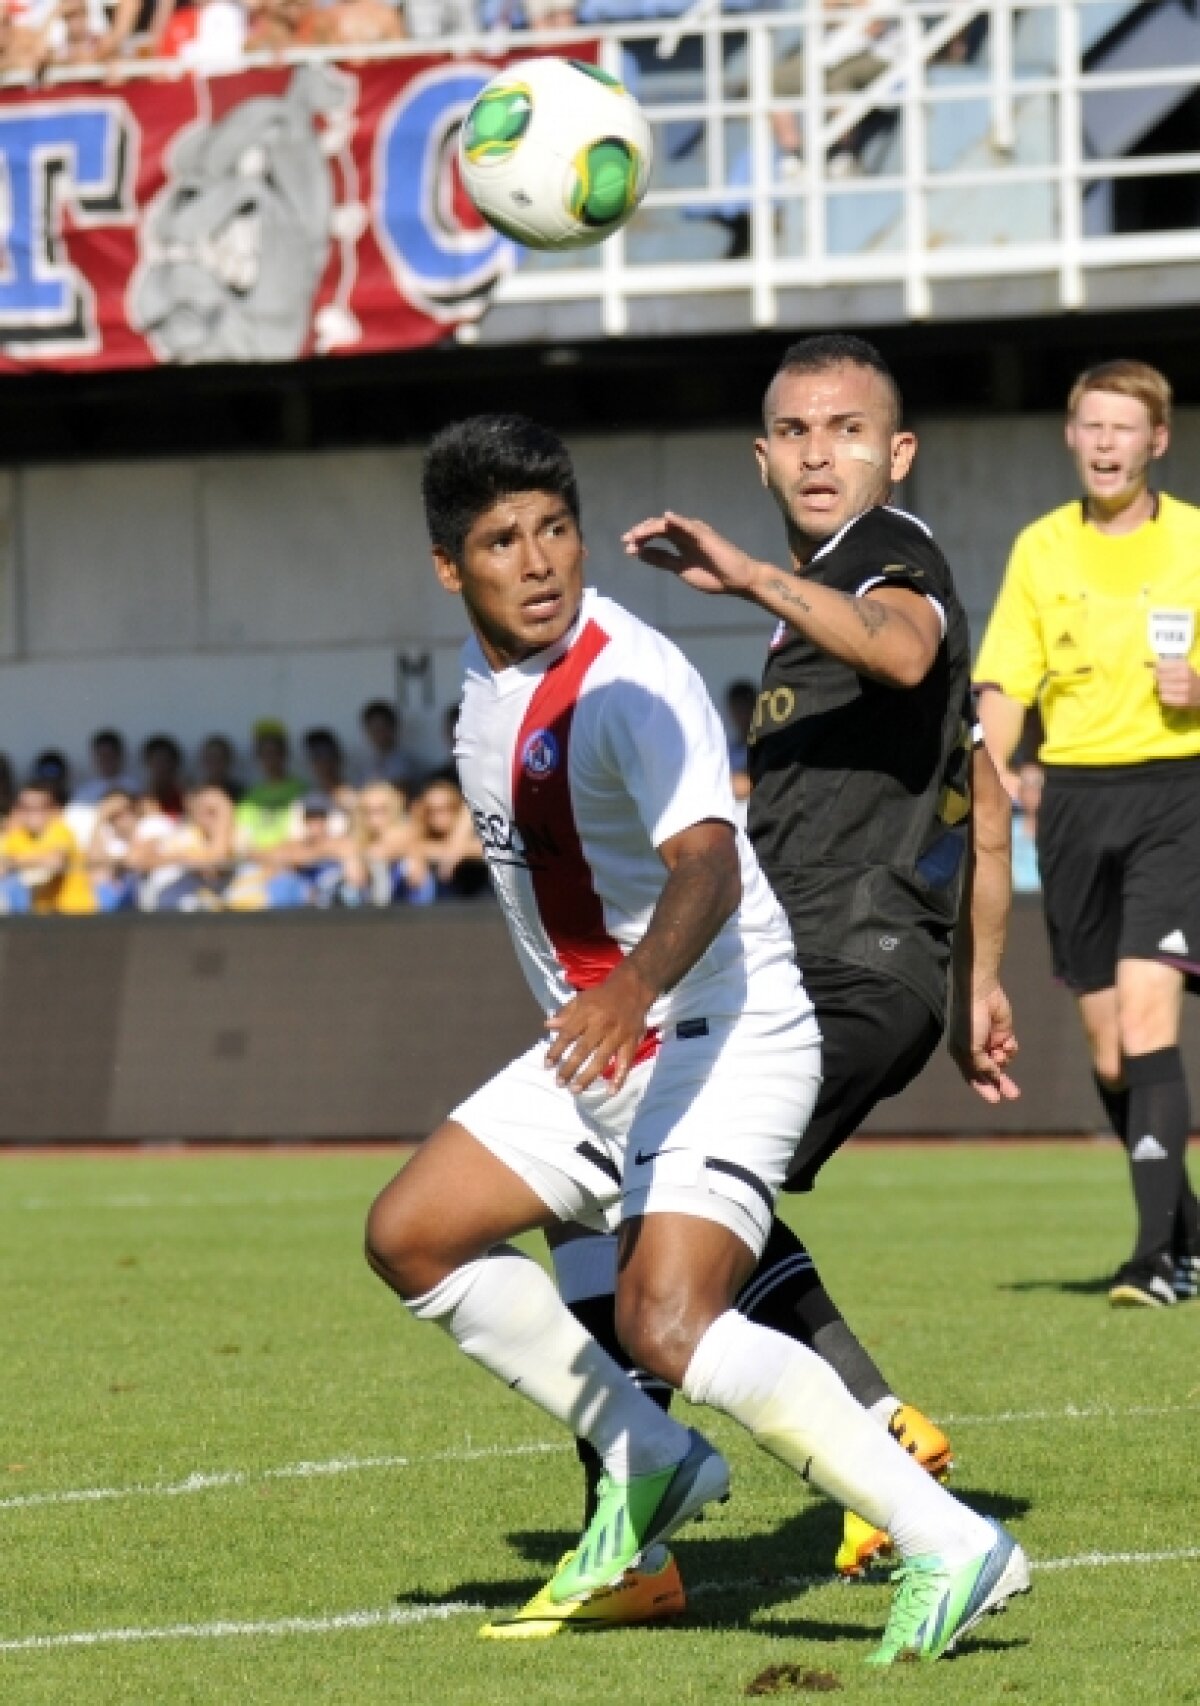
(268, 215)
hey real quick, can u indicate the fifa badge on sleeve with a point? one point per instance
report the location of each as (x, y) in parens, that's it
(1172, 633)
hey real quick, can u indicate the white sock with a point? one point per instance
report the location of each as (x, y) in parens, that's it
(505, 1313)
(586, 1267)
(797, 1408)
(883, 1409)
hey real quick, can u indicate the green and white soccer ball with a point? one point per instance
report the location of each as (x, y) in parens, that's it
(555, 153)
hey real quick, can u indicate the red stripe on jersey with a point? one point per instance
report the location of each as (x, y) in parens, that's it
(570, 909)
(566, 897)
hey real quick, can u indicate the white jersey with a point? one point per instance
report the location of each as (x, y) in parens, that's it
(577, 764)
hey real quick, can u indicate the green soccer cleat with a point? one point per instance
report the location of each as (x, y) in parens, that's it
(632, 1515)
(936, 1604)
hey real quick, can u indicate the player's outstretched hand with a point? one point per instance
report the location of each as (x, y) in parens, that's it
(693, 550)
(982, 1044)
(599, 1031)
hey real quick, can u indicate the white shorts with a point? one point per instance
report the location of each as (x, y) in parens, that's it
(706, 1127)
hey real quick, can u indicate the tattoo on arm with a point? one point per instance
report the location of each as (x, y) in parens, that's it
(872, 616)
(789, 593)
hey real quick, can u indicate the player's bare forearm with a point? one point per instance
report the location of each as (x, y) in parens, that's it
(982, 1040)
(990, 872)
(602, 1028)
(891, 634)
(700, 895)
(1003, 720)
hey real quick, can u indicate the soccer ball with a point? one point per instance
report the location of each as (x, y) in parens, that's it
(556, 154)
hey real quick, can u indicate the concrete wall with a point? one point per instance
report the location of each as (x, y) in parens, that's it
(354, 1025)
(200, 595)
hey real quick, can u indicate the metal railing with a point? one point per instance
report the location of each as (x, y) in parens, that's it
(1001, 131)
(1028, 146)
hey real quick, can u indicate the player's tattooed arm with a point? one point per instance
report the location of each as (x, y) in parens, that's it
(603, 1027)
(890, 633)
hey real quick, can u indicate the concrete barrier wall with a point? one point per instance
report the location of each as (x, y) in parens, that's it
(344, 1026)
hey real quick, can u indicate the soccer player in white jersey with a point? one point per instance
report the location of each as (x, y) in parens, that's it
(679, 1065)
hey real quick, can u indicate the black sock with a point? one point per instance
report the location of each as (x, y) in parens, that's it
(1185, 1240)
(598, 1315)
(1116, 1106)
(1157, 1135)
(786, 1293)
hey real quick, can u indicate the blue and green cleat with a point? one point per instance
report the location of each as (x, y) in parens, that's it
(936, 1604)
(632, 1515)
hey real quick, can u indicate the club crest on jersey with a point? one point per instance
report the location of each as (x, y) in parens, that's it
(539, 755)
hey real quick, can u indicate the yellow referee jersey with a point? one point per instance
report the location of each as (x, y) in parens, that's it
(1080, 619)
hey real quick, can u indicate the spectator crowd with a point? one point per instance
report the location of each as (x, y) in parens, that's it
(213, 35)
(165, 836)
(168, 835)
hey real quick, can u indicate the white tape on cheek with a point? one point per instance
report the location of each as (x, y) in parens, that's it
(865, 453)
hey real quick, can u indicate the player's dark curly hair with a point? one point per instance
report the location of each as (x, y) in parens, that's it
(474, 463)
(836, 349)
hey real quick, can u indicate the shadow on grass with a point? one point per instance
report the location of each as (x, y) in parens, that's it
(729, 1578)
(1076, 1287)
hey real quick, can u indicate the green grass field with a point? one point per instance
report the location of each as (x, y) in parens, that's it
(233, 1472)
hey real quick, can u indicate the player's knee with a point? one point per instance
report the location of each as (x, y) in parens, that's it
(658, 1331)
(394, 1247)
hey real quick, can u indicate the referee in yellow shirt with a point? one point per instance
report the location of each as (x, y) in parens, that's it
(1096, 626)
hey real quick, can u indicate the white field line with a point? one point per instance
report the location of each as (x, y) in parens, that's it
(204, 1481)
(1069, 1413)
(402, 1616)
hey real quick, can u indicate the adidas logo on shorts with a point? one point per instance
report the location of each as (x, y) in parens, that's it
(1148, 1148)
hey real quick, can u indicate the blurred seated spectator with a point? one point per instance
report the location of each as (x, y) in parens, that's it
(380, 866)
(41, 864)
(431, 20)
(387, 760)
(447, 770)
(854, 52)
(351, 23)
(134, 28)
(110, 774)
(52, 768)
(1031, 779)
(37, 33)
(215, 767)
(327, 766)
(110, 770)
(106, 853)
(276, 25)
(187, 866)
(741, 702)
(206, 35)
(306, 869)
(446, 841)
(162, 761)
(264, 813)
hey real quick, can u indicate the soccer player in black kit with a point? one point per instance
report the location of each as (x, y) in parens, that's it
(878, 818)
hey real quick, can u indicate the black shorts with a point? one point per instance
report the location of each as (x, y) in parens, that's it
(877, 1035)
(1119, 853)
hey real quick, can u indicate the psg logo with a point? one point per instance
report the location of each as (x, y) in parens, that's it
(539, 755)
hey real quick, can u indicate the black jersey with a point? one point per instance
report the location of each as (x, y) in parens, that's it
(862, 791)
